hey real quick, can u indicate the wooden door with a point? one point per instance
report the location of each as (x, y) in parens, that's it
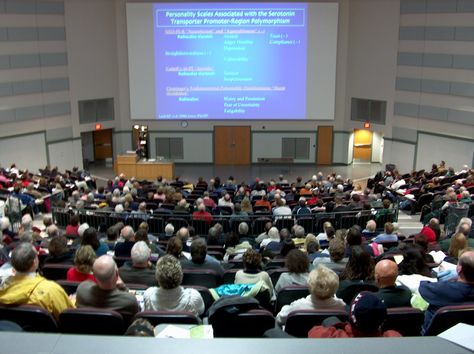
(362, 145)
(103, 144)
(231, 145)
(324, 149)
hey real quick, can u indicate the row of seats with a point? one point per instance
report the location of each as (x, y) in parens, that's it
(253, 323)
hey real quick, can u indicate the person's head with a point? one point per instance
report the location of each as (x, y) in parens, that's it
(127, 233)
(323, 282)
(386, 203)
(360, 265)
(57, 246)
(251, 259)
(74, 220)
(169, 230)
(388, 228)
(421, 241)
(105, 272)
(243, 229)
(183, 234)
(458, 244)
(353, 236)
(413, 262)
(273, 233)
(4, 223)
(140, 254)
(26, 222)
(174, 247)
(464, 229)
(299, 231)
(337, 249)
(371, 226)
(52, 231)
(141, 235)
(140, 328)
(84, 259)
(169, 274)
(367, 313)
(386, 273)
(297, 262)
(287, 245)
(311, 244)
(198, 251)
(24, 258)
(90, 238)
(465, 267)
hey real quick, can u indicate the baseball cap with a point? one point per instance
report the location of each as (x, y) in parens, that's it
(367, 312)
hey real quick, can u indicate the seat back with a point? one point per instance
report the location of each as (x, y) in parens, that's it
(353, 289)
(300, 322)
(91, 321)
(229, 276)
(29, 317)
(405, 320)
(289, 294)
(205, 294)
(55, 271)
(276, 273)
(169, 317)
(252, 323)
(203, 277)
(449, 316)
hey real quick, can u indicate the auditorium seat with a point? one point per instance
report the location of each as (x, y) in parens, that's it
(405, 320)
(449, 316)
(29, 317)
(252, 324)
(289, 294)
(169, 317)
(299, 322)
(91, 321)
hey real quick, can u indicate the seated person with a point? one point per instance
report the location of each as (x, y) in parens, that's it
(124, 248)
(109, 291)
(198, 258)
(89, 237)
(366, 315)
(26, 287)
(83, 262)
(252, 273)
(141, 271)
(370, 230)
(59, 252)
(387, 236)
(323, 283)
(298, 265)
(170, 295)
(336, 260)
(386, 273)
(450, 292)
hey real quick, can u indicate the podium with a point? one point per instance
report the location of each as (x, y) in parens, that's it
(131, 166)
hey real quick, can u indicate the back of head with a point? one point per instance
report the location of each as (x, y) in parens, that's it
(169, 274)
(174, 247)
(388, 227)
(367, 313)
(323, 282)
(360, 265)
(297, 262)
(84, 259)
(287, 245)
(466, 267)
(26, 222)
(198, 251)
(23, 257)
(337, 249)
(243, 229)
(83, 227)
(183, 234)
(299, 231)
(169, 229)
(140, 253)
(354, 237)
(105, 272)
(127, 233)
(251, 259)
(273, 233)
(371, 226)
(458, 244)
(386, 273)
(57, 246)
(90, 238)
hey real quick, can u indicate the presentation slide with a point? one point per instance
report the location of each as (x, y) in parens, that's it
(231, 61)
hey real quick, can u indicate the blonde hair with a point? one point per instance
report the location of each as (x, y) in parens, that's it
(323, 282)
(458, 244)
(84, 259)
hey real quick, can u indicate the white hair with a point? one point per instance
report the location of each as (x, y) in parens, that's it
(127, 233)
(82, 228)
(4, 223)
(119, 208)
(169, 229)
(140, 253)
(27, 221)
(274, 234)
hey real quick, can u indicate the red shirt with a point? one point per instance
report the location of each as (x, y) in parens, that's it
(203, 215)
(74, 275)
(72, 230)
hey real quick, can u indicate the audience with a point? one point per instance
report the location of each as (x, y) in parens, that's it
(141, 271)
(83, 261)
(298, 266)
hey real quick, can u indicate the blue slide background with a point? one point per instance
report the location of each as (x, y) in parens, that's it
(240, 70)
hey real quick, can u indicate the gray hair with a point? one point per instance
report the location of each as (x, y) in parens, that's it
(140, 253)
(127, 233)
(23, 257)
(243, 228)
